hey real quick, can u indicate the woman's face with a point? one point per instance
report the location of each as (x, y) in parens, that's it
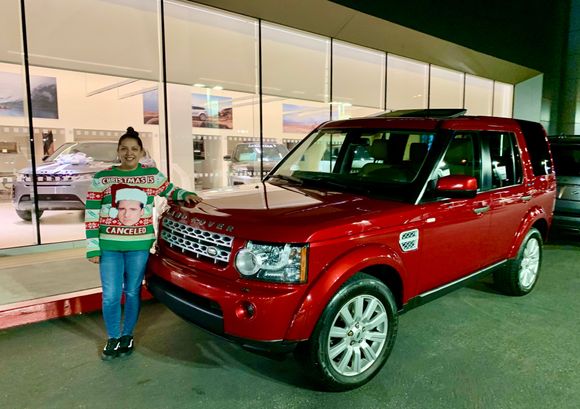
(129, 153)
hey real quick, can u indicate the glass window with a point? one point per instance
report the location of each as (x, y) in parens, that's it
(15, 156)
(212, 61)
(358, 76)
(461, 158)
(478, 95)
(296, 100)
(88, 93)
(407, 83)
(537, 146)
(446, 88)
(506, 167)
(285, 54)
(503, 99)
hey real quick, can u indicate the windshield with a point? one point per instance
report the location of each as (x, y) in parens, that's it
(375, 160)
(566, 159)
(251, 152)
(99, 151)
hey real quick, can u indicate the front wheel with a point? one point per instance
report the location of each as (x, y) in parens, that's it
(354, 335)
(521, 275)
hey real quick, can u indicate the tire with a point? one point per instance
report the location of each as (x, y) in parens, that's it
(26, 215)
(202, 117)
(521, 275)
(344, 352)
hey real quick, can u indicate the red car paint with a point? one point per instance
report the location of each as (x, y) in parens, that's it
(348, 231)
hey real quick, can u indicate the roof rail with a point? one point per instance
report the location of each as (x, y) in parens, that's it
(423, 113)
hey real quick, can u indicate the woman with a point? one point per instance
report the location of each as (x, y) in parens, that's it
(119, 230)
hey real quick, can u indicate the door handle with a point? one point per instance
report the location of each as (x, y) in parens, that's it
(480, 210)
(526, 198)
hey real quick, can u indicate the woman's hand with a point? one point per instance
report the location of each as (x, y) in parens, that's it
(96, 259)
(192, 200)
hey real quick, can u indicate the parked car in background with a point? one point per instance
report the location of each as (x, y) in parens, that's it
(320, 260)
(63, 178)
(198, 112)
(244, 164)
(566, 153)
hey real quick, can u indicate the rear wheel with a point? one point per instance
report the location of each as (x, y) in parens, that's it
(521, 275)
(27, 214)
(354, 335)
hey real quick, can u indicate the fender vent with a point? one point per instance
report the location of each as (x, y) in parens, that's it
(409, 240)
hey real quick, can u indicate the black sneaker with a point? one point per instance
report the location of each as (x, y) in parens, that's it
(111, 350)
(125, 345)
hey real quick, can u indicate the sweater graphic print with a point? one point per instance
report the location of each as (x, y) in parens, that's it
(119, 208)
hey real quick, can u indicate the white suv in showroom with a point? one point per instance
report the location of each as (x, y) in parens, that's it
(63, 178)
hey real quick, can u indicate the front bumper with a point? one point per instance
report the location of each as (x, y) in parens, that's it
(219, 305)
(50, 197)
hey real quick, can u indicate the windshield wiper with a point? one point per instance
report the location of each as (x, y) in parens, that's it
(321, 180)
(288, 178)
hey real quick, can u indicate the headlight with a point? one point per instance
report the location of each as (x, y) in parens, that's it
(240, 170)
(280, 263)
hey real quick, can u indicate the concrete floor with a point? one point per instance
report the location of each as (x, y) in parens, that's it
(472, 348)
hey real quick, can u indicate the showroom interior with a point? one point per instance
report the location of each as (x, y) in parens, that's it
(205, 84)
(210, 84)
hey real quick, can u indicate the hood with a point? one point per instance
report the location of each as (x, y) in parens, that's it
(59, 168)
(267, 212)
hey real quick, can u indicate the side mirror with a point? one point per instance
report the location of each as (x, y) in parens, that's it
(457, 186)
(228, 157)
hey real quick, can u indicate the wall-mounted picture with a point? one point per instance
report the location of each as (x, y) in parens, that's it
(150, 108)
(210, 111)
(303, 119)
(207, 111)
(43, 93)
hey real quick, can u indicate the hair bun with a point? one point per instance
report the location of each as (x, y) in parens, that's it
(131, 131)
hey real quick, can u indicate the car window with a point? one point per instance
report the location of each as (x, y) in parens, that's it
(371, 160)
(537, 147)
(461, 157)
(506, 167)
(99, 151)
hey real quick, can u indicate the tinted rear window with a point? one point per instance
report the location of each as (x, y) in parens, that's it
(566, 159)
(538, 148)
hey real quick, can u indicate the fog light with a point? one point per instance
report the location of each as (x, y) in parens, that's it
(245, 309)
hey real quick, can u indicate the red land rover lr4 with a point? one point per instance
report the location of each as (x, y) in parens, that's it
(323, 255)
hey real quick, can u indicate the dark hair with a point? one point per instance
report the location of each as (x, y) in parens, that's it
(131, 134)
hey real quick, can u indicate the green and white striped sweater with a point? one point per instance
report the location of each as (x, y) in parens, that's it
(129, 225)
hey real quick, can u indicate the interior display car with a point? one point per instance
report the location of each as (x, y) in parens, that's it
(244, 166)
(566, 152)
(64, 177)
(322, 260)
(198, 112)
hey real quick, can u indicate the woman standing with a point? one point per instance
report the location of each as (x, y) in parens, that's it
(120, 233)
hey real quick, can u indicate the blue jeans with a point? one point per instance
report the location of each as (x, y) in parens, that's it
(122, 273)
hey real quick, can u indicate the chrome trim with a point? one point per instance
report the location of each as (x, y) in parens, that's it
(462, 279)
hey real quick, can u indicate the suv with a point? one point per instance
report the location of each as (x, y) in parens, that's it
(566, 151)
(63, 179)
(245, 161)
(321, 260)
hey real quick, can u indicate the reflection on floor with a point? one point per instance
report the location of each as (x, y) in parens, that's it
(30, 276)
(55, 226)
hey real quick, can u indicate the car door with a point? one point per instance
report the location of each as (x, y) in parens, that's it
(510, 197)
(454, 228)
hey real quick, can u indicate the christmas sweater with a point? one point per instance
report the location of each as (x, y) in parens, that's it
(119, 208)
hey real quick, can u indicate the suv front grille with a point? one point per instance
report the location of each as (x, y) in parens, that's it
(197, 242)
